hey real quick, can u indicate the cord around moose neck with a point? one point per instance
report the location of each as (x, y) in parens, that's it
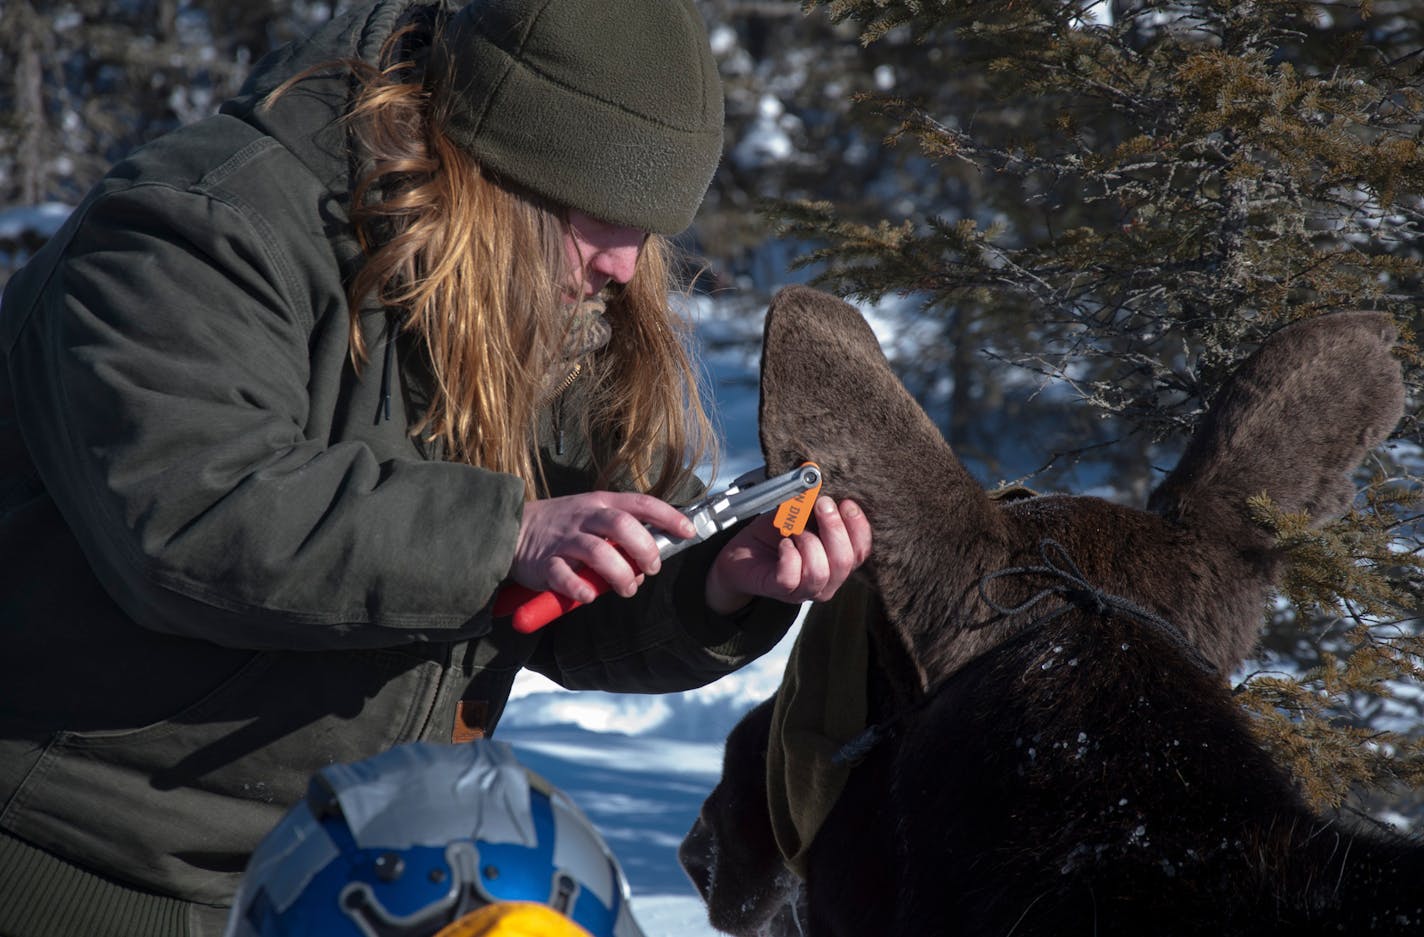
(1065, 581)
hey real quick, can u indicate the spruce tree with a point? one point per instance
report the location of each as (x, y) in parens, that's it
(1144, 191)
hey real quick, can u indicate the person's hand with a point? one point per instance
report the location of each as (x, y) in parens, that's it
(558, 536)
(810, 566)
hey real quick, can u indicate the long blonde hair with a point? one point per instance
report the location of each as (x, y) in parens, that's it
(475, 268)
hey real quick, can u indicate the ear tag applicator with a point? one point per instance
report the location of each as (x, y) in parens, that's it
(748, 496)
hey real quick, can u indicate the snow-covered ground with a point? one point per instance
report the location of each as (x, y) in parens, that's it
(642, 792)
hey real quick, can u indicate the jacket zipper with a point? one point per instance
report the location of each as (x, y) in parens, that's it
(556, 397)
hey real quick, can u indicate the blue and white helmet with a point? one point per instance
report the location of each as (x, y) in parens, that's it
(407, 842)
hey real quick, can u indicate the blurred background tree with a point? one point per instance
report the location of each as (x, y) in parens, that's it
(90, 80)
(1040, 203)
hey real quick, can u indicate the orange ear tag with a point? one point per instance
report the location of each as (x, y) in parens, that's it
(792, 515)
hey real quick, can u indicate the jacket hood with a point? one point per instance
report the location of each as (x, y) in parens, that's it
(307, 119)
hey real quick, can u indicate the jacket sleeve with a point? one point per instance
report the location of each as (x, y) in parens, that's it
(162, 386)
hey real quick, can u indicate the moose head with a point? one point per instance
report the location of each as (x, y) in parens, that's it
(1119, 794)
(1292, 424)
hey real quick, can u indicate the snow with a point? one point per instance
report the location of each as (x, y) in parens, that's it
(723, 40)
(40, 220)
(767, 139)
(642, 792)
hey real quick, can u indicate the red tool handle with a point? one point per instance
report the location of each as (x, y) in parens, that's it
(533, 610)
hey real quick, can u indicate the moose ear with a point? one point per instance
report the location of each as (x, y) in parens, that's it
(1292, 422)
(829, 395)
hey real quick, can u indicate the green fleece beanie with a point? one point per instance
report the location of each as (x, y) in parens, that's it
(612, 107)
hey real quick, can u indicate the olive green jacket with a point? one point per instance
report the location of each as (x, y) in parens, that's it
(221, 566)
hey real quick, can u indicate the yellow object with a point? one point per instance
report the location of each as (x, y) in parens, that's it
(513, 919)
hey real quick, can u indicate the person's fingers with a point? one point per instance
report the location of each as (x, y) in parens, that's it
(607, 560)
(659, 513)
(857, 527)
(836, 541)
(846, 538)
(788, 568)
(628, 532)
(565, 580)
(815, 570)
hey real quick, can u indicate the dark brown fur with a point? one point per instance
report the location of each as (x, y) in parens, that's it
(1090, 774)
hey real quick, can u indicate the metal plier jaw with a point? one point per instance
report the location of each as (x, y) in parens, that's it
(747, 496)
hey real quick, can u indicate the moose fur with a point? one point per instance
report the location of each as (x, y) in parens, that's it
(1060, 752)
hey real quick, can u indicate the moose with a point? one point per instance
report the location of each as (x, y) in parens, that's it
(1057, 748)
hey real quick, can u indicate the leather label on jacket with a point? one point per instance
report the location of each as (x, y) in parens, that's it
(470, 717)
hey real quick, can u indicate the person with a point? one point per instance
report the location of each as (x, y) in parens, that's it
(296, 389)
(426, 840)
